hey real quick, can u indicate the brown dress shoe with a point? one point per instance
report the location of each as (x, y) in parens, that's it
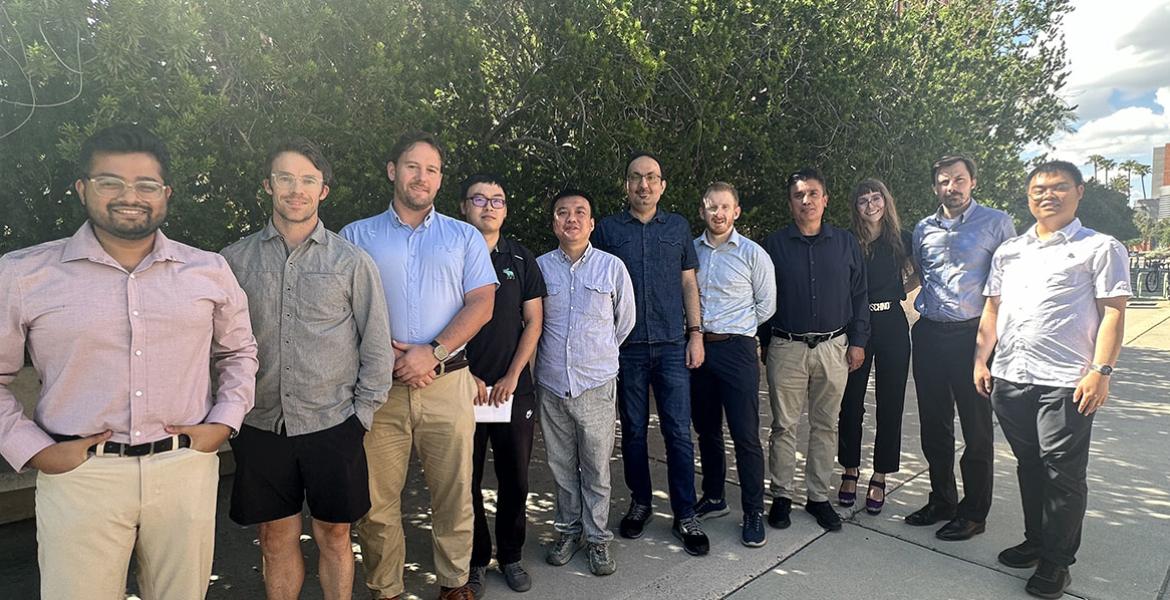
(460, 593)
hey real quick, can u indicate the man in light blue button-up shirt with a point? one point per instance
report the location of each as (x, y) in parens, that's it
(588, 312)
(737, 294)
(440, 289)
(952, 250)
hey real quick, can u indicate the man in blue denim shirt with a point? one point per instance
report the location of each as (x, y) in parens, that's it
(656, 248)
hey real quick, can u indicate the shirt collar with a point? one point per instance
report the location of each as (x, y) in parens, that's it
(659, 215)
(938, 213)
(84, 245)
(826, 230)
(398, 222)
(734, 239)
(1064, 233)
(319, 236)
(584, 255)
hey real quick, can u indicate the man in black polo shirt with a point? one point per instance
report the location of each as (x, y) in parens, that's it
(817, 335)
(499, 356)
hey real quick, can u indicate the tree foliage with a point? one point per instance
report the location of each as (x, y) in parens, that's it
(545, 92)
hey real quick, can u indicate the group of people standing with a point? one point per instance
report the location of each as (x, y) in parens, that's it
(333, 357)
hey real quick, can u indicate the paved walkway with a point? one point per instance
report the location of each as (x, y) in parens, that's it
(1125, 553)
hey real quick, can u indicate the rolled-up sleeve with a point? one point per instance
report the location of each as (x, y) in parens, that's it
(233, 355)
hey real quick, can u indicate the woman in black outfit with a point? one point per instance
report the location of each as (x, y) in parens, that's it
(887, 251)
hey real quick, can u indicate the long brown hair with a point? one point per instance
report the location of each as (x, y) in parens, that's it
(890, 224)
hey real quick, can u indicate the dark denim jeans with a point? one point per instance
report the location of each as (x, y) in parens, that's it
(662, 366)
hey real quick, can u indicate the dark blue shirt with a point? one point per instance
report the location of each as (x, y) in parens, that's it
(655, 253)
(820, 284)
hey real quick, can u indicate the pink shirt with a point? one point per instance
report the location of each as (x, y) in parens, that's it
(128, 352)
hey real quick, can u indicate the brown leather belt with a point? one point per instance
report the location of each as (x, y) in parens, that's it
(453, 363)
(118, 449)
(716, 337)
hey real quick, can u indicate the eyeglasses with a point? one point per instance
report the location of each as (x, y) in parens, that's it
(481, 201)
(876, 199)
(288, 181)
(650, 178)
(108, 186)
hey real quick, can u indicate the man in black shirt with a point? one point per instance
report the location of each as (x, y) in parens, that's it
(817, 335)
(499, 356)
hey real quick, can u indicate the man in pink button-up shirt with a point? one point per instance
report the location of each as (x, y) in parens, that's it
(124, 326)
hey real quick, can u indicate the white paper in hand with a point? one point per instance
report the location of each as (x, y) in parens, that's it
(490, 413)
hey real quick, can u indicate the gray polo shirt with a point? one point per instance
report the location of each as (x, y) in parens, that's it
(1048, 291)
(320, 320)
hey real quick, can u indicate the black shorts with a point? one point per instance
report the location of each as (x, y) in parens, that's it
(276, 473)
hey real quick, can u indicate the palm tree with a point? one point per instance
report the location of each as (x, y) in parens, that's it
(1106, 164)
(1130, 166)
(1096, 160)
(1142, 170)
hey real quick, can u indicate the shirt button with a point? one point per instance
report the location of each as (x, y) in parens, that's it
(135, 313)
(137, 353)
(138, 393)
(137, 434)
(132, 276)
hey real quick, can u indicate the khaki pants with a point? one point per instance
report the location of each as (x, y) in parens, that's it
(800, 376)
(439, 422)
(161, 507)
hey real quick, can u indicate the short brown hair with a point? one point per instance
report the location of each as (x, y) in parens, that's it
(722, 186)
(949, 160)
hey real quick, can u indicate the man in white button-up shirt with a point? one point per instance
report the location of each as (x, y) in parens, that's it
(1056, 305)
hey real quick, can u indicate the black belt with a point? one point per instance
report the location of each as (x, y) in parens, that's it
(453, 363)
(812, 339)
(118, 449)
(721, 337)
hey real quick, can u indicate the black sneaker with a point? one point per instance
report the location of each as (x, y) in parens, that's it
(518, 579)
(826, 516)
(707, 508)
(475, 581)
(778, 516)
(1049, 581)
(690, 533)
(634, 523)
(1020, 556)
(754, 534)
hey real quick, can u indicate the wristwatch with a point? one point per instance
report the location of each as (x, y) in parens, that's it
(440, 351)
(1105, 370)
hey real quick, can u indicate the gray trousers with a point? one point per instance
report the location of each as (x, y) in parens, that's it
(1051, 442)
(579, 438)
(800, 377)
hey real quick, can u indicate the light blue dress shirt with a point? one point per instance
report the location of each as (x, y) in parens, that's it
(737, 285)
(1048, 291)
(426, 270)
(588, 312)
(954, 259)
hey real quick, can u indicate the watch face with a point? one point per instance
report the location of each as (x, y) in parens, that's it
(440, 351)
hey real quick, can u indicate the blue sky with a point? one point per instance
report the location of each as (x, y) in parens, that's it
(1119, 60)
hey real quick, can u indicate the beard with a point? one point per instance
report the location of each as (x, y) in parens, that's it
(125, 228)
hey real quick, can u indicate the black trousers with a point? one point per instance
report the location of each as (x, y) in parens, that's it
(511, 450)
(729, 381)
(1051, 442)
(888, 353)
(944, 359)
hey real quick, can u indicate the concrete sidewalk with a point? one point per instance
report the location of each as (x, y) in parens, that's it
(1125, 553)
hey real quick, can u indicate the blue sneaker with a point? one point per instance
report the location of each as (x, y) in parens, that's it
(706, 508)
(753, 530)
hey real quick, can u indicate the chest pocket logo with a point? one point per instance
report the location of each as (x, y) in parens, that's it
(509, 273)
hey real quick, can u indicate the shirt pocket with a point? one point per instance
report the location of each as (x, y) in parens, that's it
(322, 297)
(668, 253)
(599, 301)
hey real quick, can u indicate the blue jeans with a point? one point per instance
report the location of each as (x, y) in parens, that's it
(663, 366)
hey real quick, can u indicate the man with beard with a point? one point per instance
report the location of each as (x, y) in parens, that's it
(816, 337)
(125, 327)
(319, 316)
(440, 290)
(655, 246)
(737, 292)
(952, 250)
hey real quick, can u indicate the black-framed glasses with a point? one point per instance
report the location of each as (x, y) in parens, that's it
(288, 181)
(109, 186)
(481, 201)
(650, 178)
